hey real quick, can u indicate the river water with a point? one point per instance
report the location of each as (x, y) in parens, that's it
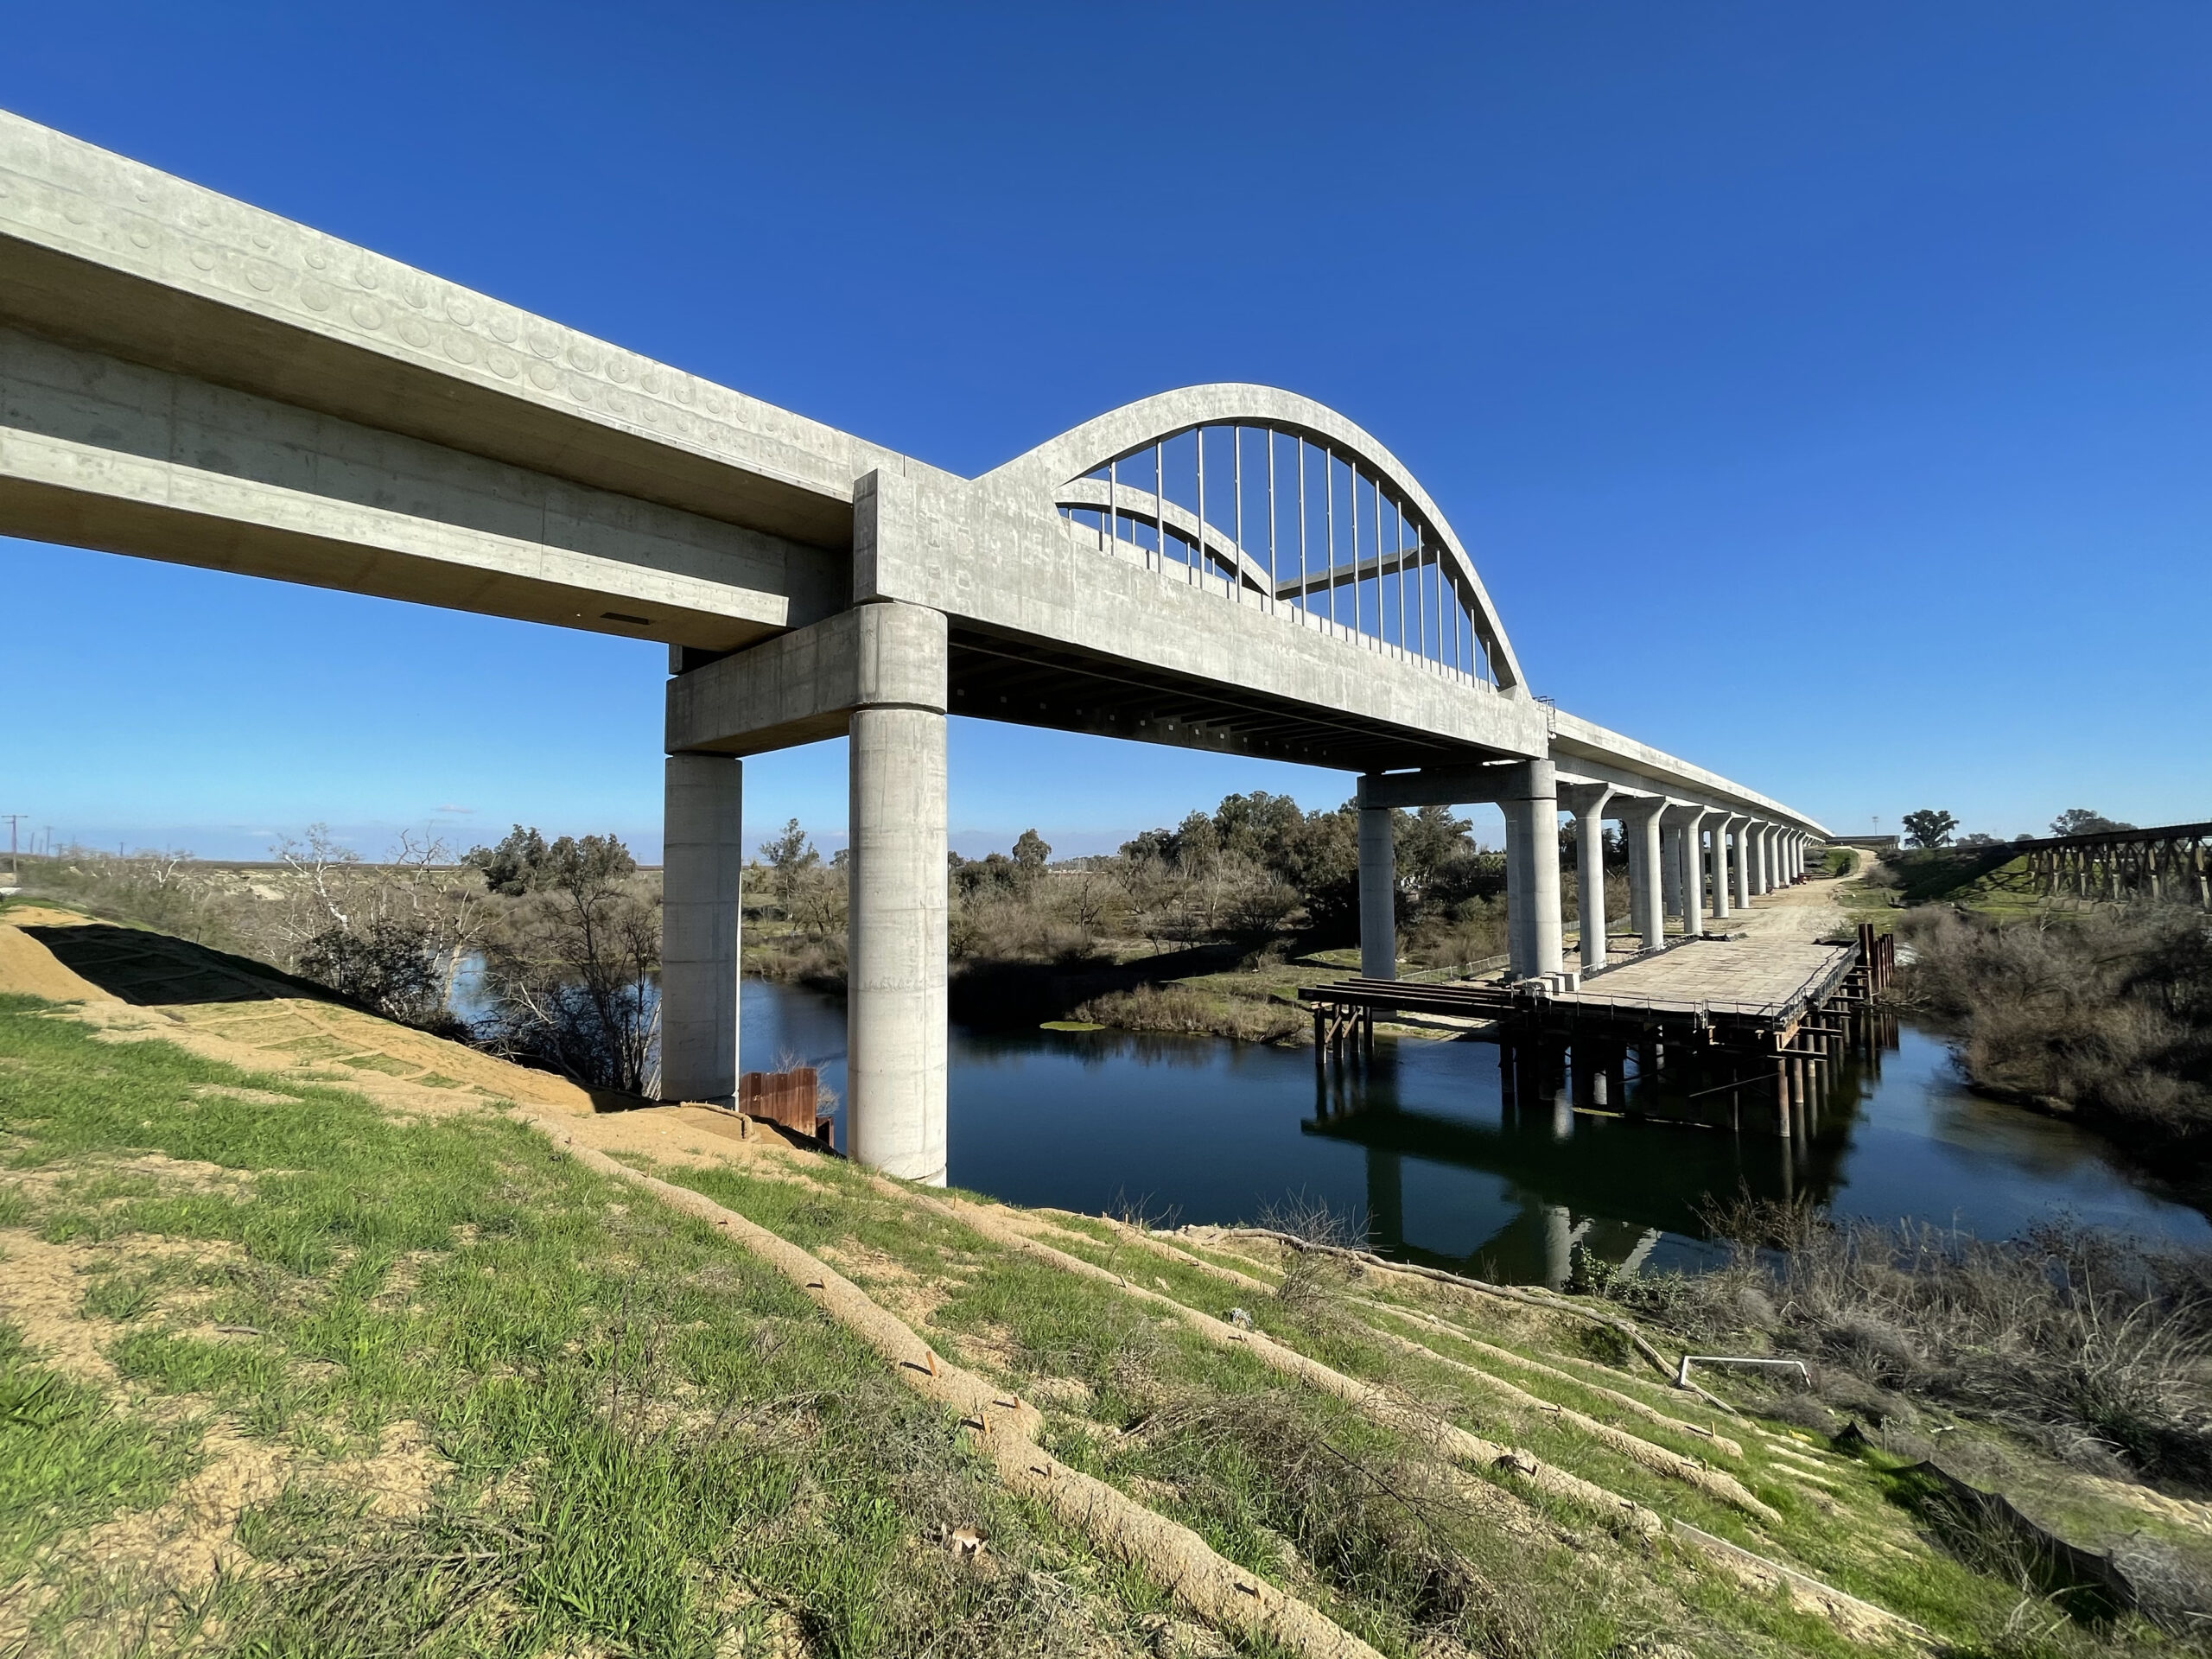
(1415, 1146)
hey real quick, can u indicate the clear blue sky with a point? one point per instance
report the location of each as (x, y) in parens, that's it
(1823, 391)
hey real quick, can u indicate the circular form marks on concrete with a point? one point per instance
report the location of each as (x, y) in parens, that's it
(581, 388)
(502, 327)
(73, 211)
(315, 296)
(544, 376)
(583, 357)
(505, 365)
(618, 371)
(367, 315)
(263, 277)
(141, 237)
(460, 348)
(366, 276)
(262, 243)
(412, 331)
(546, 346)
(414, 293)
(204, 260)
(461, 311)
(318, 259)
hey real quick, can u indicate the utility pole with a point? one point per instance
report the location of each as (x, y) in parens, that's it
(13, 818)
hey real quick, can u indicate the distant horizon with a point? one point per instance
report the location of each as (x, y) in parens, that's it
(234, 845)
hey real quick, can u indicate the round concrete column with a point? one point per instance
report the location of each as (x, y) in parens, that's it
(1722, 904)
(1670, 868)
(1529, 801)
(1693, 876)
(703, 871)
(1378, 895)
(1640, 829)
(895, 1008)
(1590, 879)
(1742, 869)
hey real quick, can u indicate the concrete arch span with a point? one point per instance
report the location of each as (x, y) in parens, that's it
(1305, 513)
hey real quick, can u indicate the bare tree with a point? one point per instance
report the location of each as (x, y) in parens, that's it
(573, 966)
(356, 925)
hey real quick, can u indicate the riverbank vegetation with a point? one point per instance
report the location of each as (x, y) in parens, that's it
(544, 952)
(2104, 1014)
(1210, 926)
(2069, 1368)
(298, 1365)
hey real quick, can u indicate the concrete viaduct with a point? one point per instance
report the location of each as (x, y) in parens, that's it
(1226, 567)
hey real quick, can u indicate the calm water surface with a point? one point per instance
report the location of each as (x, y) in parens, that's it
(1202, 1129)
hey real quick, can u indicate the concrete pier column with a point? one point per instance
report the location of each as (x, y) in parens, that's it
(1691, 878)
(1559, 1244)
(895, 1009)
(1767, 874)
(1723, 888)
(703, 870)
(1587, 802)
(1378, 895)
(1640, 829)
(1671, 866)
(1529, 801)
(1746, 832)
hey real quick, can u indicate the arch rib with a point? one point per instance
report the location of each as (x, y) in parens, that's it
(1056, 473)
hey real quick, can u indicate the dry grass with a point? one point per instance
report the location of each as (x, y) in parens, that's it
(2110, 1013)
(2098, 1348)
(1194, 1013)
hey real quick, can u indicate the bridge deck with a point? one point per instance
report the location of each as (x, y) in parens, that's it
(1739, 991)
(1745, 977)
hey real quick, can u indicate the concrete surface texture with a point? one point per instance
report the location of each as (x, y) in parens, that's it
(1229, 567)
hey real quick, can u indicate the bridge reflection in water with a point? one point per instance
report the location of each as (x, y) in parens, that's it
(1606, 1160)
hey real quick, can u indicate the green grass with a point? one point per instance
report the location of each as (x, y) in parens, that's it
(654, 1444)
(1288, 1484)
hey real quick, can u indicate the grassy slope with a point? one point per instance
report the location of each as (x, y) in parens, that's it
(643, 1442)
(652, 1442)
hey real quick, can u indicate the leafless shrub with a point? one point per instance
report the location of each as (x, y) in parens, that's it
(2095, 1346)
(161, 889)
(572, 966)
(1181, 1008)
(1314, 1282)
(2110, 1012)
(1473, 931)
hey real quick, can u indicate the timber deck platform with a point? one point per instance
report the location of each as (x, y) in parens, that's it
(1736, 993)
